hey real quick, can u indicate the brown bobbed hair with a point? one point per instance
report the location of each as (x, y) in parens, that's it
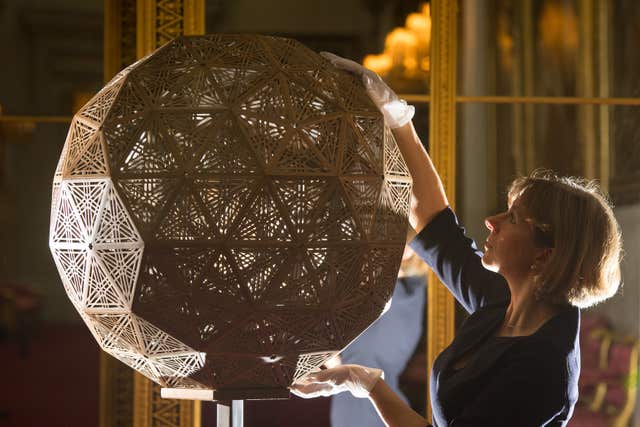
(572, 216)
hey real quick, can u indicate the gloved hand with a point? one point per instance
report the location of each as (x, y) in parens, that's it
(396, 112)
(359, 380)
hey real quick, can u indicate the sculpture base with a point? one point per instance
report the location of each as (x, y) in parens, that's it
(225, 394)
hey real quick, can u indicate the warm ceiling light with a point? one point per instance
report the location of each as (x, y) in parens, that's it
(405, 60)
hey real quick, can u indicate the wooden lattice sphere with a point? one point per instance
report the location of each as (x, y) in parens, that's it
(228, 213)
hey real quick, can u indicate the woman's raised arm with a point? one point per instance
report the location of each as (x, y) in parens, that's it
(428, 196)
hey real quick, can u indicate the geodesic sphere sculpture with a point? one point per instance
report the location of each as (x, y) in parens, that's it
(228, 213)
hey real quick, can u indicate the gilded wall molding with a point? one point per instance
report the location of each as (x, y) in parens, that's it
(116, 393)
(119, 36)
(603, 14)
(528, 87)
(151, 410)
(586, 80)
(194, 17)
(442, 147)
(159, 21)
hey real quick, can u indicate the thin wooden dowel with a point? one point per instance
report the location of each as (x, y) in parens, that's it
(548, 100)
(567, 100)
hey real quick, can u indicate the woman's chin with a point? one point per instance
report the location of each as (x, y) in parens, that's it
(488, 263)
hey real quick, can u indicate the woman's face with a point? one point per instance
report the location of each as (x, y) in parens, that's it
(510, 248)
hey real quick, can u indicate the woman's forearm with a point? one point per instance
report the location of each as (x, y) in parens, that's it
(428, 196)
(393, 410)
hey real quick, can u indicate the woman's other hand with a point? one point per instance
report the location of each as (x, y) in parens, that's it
(359, 380)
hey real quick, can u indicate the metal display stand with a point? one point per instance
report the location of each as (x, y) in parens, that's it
(230, 403)
(230, 414)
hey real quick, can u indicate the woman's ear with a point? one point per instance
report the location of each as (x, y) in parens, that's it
(543, 256)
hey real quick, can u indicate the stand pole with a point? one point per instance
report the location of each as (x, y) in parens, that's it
(230, 414)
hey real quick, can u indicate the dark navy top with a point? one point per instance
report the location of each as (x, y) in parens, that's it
(508, 381)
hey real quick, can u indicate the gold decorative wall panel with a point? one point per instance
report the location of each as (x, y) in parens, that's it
(152, 410)
(586, 86)
(116, 393)
(160, 21)
(119, 36)
(442, 147)
(603, 15)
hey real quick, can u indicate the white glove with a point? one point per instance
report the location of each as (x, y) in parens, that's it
(359, 380)
(396, 112)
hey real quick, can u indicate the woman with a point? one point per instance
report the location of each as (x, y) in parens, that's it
(516, 360)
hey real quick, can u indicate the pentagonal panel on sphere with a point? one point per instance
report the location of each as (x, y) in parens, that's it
(228, 213)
